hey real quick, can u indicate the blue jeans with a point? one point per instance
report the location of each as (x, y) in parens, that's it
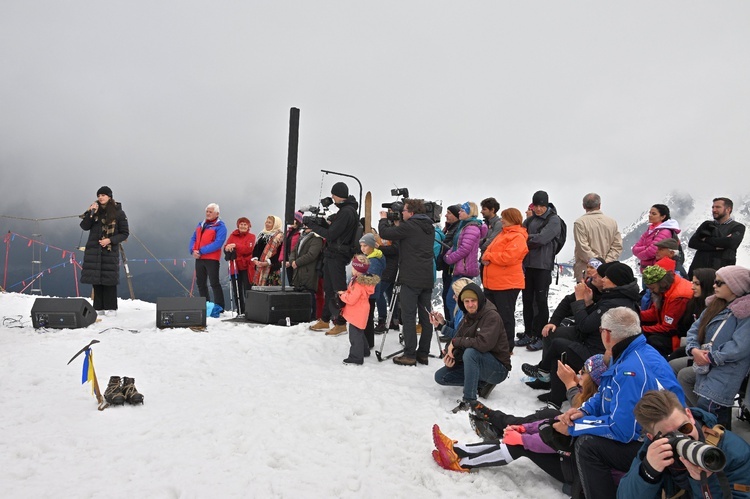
(476, 367)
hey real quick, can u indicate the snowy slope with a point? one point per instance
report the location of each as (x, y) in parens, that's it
(238, 411)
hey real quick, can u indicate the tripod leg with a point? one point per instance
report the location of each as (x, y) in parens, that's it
(391, 307)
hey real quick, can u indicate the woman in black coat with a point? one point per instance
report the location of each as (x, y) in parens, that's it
(108, 228)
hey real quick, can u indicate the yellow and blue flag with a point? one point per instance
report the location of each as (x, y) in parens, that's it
(88, 369)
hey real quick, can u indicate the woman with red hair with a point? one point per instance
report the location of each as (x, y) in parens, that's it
(503, 269)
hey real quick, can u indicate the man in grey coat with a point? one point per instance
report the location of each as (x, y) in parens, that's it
(544, 227)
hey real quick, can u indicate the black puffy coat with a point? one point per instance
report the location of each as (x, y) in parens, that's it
(416, 238)
(101, 265)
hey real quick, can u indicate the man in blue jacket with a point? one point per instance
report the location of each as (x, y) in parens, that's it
(656, 468)
(608, 433)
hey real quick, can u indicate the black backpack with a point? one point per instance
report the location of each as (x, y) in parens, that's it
(559, 240)
(354, 248)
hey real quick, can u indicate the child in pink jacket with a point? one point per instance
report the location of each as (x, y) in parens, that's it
(356, 299)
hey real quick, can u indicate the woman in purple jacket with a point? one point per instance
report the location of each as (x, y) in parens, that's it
(463, 256)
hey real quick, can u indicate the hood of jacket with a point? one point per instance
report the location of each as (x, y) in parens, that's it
(376, 253)
(424, 222)
(629, 291)
(368, 280)
(670, 224)
(740, 307)
(351, 201)
(480, 298)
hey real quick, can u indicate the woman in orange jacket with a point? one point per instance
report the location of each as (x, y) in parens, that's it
(503, 275)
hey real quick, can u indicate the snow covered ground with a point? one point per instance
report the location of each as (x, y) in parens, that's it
(237, 411)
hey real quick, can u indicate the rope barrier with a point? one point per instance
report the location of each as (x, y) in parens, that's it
(70, 257)
(162, 265)
(38, 219)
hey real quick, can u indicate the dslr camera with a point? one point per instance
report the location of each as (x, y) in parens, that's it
(703, 455)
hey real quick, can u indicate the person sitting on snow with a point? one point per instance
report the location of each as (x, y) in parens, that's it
(478, 357)
(670, 295)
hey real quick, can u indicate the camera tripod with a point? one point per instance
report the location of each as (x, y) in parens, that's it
(389, 317)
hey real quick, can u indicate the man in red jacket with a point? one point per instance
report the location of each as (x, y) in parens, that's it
(205, 246)
(670, 294)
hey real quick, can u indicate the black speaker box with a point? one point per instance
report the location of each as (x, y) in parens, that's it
(62, 313)
(180, 312)
(273, 307)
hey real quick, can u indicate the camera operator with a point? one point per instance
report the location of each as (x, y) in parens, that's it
(415, 234)
(660, 463)
(339, 237)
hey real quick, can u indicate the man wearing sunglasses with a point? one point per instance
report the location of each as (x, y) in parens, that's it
(656, 467)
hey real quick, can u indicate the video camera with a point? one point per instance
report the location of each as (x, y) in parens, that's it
(318, 212)
(432, 209)
(706, 456)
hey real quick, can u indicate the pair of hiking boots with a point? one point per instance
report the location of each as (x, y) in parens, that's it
(121, 390)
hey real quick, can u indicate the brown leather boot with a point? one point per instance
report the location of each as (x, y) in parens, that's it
(336, 330)
(131, 394)
(320, 326)
(114, 394)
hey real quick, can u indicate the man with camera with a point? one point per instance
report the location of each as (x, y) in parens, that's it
(338, 252)
(606, 430)
(415, 234)
(675, 456)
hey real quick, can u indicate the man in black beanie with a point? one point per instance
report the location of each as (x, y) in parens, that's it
(339, 235)
(544, 226)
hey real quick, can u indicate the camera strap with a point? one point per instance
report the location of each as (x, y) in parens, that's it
(713, 436)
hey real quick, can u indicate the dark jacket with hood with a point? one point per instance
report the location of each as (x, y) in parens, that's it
(340, 233)
(306, 253)
(416, 238)
(482, 330)
(542, 233)
(101, 265)
(588, 319)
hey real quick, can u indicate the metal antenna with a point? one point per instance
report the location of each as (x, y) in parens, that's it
(36, 262)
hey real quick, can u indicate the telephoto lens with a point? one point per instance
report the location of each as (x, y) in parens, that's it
(706, 456)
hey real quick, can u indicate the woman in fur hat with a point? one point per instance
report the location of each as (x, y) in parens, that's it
(719, 343)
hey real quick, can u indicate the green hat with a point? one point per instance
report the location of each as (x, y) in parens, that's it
(653, 273)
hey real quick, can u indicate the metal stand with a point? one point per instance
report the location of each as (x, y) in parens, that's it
(389, 316)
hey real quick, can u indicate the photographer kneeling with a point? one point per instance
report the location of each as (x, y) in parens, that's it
(675, 458)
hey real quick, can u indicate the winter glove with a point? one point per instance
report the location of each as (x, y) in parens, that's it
(516, 427)
(512, 437)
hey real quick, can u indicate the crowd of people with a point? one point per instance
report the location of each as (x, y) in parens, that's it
(633, 361)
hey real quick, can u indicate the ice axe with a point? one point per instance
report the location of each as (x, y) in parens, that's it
(89, 374)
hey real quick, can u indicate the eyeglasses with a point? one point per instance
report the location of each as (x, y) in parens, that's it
(686, 428)
(719, 283)
(602, 329)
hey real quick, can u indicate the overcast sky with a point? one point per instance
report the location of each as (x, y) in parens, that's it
(175, 104)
